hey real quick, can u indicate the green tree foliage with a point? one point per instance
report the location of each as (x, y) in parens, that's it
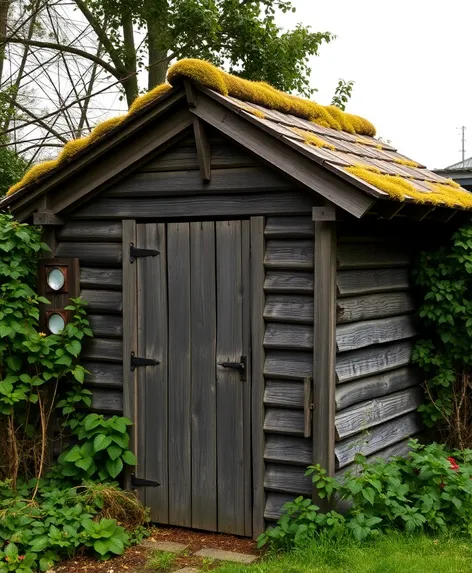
(12, 167)
(342, 93)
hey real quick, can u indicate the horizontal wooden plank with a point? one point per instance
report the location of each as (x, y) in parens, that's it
(289, 308)
(283, 394)
(274, 503)
(179, 207)
(288, 364)
(289, 254)
(106, 325)
(288, 336)
(364, 415)
(371, 281)
(287, 478)
(380, 305)
(105, 231)
(106, 301)
(374, 386)
(284, 421)
(293, 282)
(367, 361)
(231, 180)
(110, 279)
(107, 401)
(107, 374)
(288, 228)
(288, 450)
(92, 254)
(368, 332)
(371, 255)
(377, 438)
(103, 349)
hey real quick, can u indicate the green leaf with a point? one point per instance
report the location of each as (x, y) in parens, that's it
(102, 546)
(74, 348)
(74, 455)
(114, 451)
(114, 467)
(116, 546)
(101, 442)
(129, 458)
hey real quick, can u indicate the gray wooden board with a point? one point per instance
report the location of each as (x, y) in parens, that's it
(107, 401)
(357, 282)
(368, 332)
(106, 301)
(289, 254)
(104, 349)
(103, 374)
(178, 207)
(288, 364)
(110, 279)
(374, 386)
(178, 261)
(373, 255)
(92, 254)
(290, 282)
(240, 179)
(284, 421)
(373, 412)
(289, 308)
(230, 404)
(367, 361)
(285, 336)
(274, 504)
(288, 227)
(288, 450)
(291, 479)
(377, 438)
(374, 306)
(107, 326)
(283, 394)
(203, 384)
(91, 231)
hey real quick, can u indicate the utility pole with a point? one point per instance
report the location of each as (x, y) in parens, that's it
(463, 142)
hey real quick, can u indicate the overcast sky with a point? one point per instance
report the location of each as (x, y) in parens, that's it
(410, 60)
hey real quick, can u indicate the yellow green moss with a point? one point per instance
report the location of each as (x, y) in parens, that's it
(407, 162)
(150, 96)
(103, 128)
(312, 139)
(258, 113)
(34, 174)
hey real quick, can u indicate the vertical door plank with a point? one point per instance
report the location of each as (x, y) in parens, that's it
(178, 258)
(203, 371)
(230, 431)
(152, 380)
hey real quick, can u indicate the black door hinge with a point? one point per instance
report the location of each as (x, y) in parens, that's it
(240, 366)
(134, 253)
(136, 482)
(136, 361)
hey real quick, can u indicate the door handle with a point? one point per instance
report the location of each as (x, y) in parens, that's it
(241, 366)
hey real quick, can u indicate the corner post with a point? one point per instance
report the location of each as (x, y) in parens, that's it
(324, 341)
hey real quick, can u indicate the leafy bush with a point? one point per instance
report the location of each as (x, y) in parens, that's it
(429, 491)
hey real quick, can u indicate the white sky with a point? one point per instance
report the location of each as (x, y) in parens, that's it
(410, 60)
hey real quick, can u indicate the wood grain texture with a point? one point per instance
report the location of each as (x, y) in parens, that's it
(102, 231)
(367, 361)
(104, 349)
(290, 479)
(358, 282)
(289, 308)
(288, 364)
(284, 394)
(106, 326)
(288, 336)
(290, 282)
(377, 438)
(284, 421)
(104, 374)
(370, 256)
(203, 149)
(379, 305)
(109, 279)
(103, 301)
(288, 450)
(368, 332)
(274, 504)
(289, 254)
(374, 386)
(107, 401)
(92, 254)
(373, 412)
(288, 228)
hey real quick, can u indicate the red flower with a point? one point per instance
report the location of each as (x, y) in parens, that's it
(21, 557)
(454, 465)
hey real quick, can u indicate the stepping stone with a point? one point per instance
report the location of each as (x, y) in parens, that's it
(165, 546)
(187, 570)
(222, 555)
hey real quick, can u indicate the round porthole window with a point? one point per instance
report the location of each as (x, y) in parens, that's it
(56, 323)
(56, 278)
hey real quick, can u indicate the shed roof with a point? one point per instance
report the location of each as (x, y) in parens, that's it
(339, 143)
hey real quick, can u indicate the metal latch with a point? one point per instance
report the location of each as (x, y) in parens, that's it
(241, 366)
(136, 361)
(134, 253)
(136, 482)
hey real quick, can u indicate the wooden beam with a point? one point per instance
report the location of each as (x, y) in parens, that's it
(190, 93)
(203, 149)
(325, 213)
(388, 209)
(44, 218)
(279, 154)
(324, 349)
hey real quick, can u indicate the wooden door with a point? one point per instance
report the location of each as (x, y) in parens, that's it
(194, 414)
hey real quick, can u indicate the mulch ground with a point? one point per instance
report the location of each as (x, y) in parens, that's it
(134, 560)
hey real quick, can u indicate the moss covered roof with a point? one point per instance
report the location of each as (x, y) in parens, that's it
(342, 142)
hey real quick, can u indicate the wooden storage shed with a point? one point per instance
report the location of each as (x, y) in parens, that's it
(259, 261)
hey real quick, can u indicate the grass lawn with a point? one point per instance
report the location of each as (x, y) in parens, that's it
(391, 554)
